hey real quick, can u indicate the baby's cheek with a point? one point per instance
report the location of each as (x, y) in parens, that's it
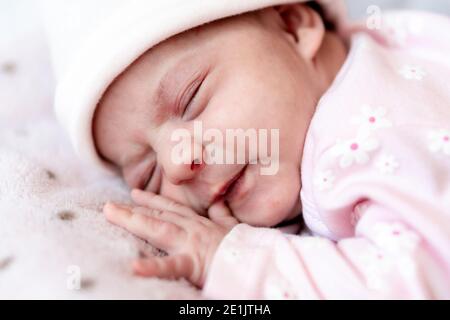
(281, 206)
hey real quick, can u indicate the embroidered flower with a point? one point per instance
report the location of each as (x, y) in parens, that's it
(399, 29)
(412, 72)
(382, 269)
(397, 34)
(355, 150)
(324, 180)
(394, 238)
(233, 256)
(391, 257)
(387, 164)
(440, 141)
(378, 267)
(277, 288)
(371, 118)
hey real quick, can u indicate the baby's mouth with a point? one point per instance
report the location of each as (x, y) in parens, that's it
(231, 188)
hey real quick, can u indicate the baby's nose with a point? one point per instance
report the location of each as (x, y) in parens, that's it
(184, 166)
(179, 174)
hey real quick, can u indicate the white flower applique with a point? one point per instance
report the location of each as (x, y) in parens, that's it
(233, 256)
(396, 34)
(324, 180)
(412, 72)
(394, 238)
(387, 164)
(378, 267)
(371, 119)
(277, 288)
(355, 151)
(439, 141)
(393, 255)
(382, 269)
(400, 28)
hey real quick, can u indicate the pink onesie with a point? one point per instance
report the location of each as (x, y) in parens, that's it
(375, 182)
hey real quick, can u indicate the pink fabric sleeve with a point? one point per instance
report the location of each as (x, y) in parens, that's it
(385, 260)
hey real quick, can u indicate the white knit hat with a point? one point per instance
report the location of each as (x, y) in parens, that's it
(94, 41)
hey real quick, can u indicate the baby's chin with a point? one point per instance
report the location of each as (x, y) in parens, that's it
(269, 211)
(270, 200)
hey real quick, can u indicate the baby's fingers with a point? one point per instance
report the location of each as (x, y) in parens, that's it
(222, 215)
(152, 200)
(161, 234)
(169, 267)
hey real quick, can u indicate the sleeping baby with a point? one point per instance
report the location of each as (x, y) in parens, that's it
(353, 120)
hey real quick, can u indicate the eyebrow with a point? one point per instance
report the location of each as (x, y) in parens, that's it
(169, 88)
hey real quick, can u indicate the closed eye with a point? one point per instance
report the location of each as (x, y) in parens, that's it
(189, 98)
(147, 181)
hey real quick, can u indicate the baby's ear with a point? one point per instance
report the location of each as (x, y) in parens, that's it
(305, 26)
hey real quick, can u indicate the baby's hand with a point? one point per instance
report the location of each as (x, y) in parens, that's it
(190, 239)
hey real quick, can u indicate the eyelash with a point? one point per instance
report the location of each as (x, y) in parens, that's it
(197, 86)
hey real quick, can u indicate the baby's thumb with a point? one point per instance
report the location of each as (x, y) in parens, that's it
(222, 215)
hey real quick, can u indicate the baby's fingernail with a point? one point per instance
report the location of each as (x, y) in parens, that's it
(123, 206)
(138, 268)
(115, 206)
(108, 206)
(109, 210)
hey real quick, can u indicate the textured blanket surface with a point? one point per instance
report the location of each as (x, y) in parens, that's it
(54, 240)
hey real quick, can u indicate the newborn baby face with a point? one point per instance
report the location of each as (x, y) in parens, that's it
(248, 72)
